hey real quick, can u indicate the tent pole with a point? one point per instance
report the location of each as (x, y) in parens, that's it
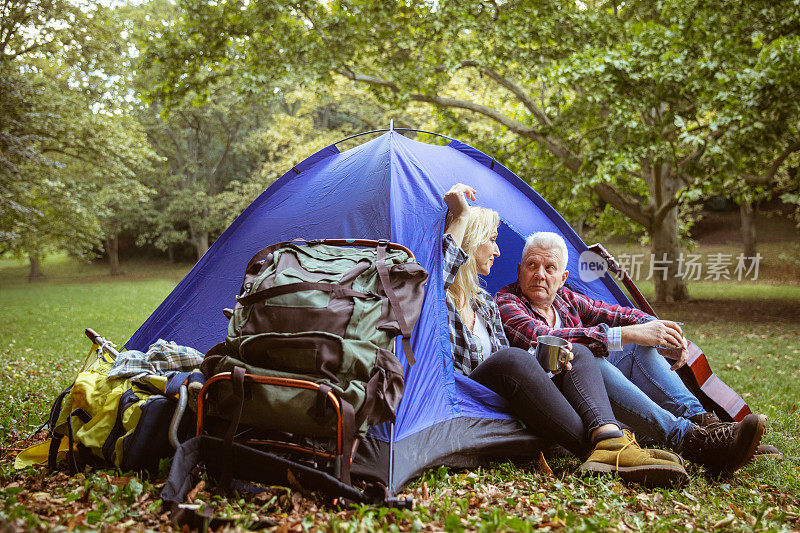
(391, 458)
(393, 129)
(391, 124)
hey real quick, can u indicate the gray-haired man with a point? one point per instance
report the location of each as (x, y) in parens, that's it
(645, 392)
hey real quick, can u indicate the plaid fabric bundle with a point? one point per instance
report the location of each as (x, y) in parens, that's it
(465, 349)
(162, 358)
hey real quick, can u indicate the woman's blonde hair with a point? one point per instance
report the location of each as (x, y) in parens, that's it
(480, 228)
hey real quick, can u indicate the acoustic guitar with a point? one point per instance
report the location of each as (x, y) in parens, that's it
(713, 393)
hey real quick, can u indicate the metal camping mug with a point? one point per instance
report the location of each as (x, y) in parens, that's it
(551, 352)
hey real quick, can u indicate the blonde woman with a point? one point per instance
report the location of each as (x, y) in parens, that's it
(571, 408)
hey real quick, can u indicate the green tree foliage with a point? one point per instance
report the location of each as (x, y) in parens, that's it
(201, 147)
(641, 104)
(64, 133)
(226, 141)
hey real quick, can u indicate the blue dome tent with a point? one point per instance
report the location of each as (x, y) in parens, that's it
(390, 187)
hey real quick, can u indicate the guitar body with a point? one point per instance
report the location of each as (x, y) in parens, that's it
(714, 395)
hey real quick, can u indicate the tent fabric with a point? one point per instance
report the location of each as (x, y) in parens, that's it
(388, 188)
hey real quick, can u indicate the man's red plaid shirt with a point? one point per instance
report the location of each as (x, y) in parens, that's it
(583, 320)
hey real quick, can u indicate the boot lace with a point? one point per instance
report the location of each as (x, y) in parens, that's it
(719, 433)
(631, 443)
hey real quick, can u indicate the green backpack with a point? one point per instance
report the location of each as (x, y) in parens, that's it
(324, 312)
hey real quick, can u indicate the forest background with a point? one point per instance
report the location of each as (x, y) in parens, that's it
(144, 128)
(135, 132)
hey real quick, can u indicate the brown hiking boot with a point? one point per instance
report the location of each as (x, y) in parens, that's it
(624, 456)
(764, 451)
(724, 447)
(705, 419)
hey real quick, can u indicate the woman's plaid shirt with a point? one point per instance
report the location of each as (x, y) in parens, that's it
(465, 349)
(583, 320)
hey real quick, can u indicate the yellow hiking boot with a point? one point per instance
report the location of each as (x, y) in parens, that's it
(657, 453)
(633, 464)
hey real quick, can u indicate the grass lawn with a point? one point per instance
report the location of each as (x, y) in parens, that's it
(751, 333)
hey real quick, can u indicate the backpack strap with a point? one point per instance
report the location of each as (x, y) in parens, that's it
(348, 439)
(237, 378)
(55, 439)
(73, 464)
(370, 392)
(397, 308)
(264, 253)
(349, 426)
(321, 406)
(367, 243)
(52, 453)
(334, 288)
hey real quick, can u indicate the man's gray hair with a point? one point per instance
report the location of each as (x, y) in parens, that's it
(548, 241)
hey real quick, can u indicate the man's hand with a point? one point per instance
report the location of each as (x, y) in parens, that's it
(655, 333)
(682, 359)
(567, 350)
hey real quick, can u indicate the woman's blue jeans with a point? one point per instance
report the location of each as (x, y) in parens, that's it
(647, 396)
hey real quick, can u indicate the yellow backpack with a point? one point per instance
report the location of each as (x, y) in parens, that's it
(112, 422)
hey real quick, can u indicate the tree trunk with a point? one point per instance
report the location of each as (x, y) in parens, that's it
(200, 242)
(670, 287)
(35, 272)
(669, 282)
(748, 215)
(171, 253)
(579, 225)
(112, 249)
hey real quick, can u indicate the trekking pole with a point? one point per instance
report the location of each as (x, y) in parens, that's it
(106, 346)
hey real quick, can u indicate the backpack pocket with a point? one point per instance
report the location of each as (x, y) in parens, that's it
(389, 390)
(147, 442)
(314, 354)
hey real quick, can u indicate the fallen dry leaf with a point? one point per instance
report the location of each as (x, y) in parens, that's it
(293, 482)
(75, 520)
(738, 512)
(118, 481)
(297, 502)
(544, 468)
(195, 491)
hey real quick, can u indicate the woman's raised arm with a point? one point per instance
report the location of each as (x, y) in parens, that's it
(457, 207)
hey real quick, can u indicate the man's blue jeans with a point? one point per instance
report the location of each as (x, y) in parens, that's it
(647, 396)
